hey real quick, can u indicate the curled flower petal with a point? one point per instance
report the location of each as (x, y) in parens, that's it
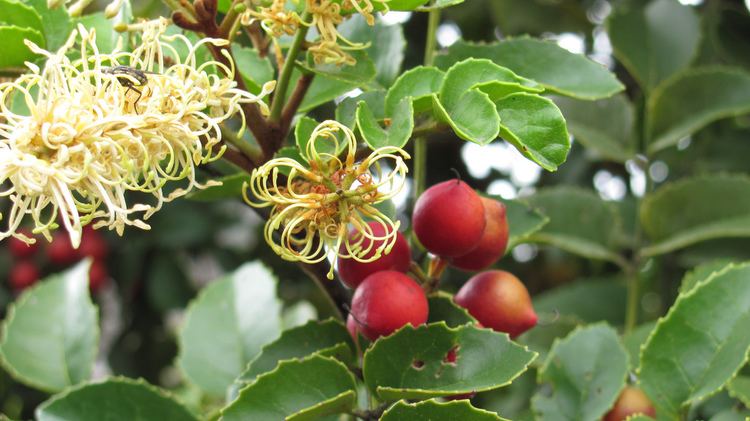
(313, 207)
(326, 16)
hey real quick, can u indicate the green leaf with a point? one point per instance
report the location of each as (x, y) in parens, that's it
(580, 222)
(403, 5)
(346, 110)
(702, 272)
(634, 340)
(106, 36)
(719, 206)
(541, 338)
(443, 309)
(523, 221)
(474, 117)
(114, 399)
(535, 126)
(230, 188)
(398, 130)
(57, 24)
(700, 344)
(329, 338)
(586, 370)
(553, 67)
(50, 335)
(15, 52)
(432, 410)
(322, 90)
(386, 45)
(654, 41)
(360, 74)
(296, 390)
(604, 126)
(418, 83)
(16, 13)
(739, 388)
(692, 99)
(588, 300)
(410, 364)
(496, 81)
(255, 69)
(226, 326)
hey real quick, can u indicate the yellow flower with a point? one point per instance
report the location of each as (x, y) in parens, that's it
(313, 208)
(104, 124)
(326, 15)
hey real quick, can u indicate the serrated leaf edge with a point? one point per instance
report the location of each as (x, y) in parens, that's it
(558, 341)
(681, 297)
(444, 404)
(263, 349)
(293, 361)
(440, 393)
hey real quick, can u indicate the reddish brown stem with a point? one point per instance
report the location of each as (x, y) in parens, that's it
(295, 100)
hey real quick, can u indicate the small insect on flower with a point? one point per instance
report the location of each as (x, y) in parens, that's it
(129, 78)
(314, 203)
(83, 140)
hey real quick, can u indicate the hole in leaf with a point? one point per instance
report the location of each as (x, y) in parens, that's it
(451, 356)
(417, 364)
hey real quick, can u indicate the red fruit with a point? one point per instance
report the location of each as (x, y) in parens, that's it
(352, 272)
(386, 301)
(23, 275)
(449, 218)
(493, 242)
(632, 401)
(499, 301)
(21, 250)
(351, 326)
(60, 251)
(97, 275)
(93, 244)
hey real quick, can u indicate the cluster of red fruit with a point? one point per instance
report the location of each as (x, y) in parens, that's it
(60, 253)
(462, 229)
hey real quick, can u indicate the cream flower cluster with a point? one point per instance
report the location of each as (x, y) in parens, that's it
(326, 15)
(78, 135)
(314, 205)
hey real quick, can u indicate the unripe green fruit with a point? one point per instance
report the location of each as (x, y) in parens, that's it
(492, 245)
(449, 219)
(386, 301)
(499, 301)
(631, 401)
(352, 272)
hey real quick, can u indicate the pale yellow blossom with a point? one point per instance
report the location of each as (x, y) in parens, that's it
(78, 134)
(326, 15)
(315, 203)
